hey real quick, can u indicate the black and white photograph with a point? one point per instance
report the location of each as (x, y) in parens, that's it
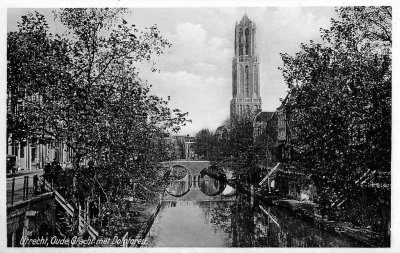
(218, 126)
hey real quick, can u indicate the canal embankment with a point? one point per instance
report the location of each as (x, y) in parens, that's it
(308, 211)
(142, 214)
(142, 233)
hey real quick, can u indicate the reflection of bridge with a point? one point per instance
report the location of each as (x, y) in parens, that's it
(195, 186)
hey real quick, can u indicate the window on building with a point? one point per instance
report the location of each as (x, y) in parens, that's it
(15, 148)
(33, 153)
(20, 107)
(22, 151)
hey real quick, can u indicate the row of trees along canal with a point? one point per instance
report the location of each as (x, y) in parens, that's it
(339, 107)
(83, 88)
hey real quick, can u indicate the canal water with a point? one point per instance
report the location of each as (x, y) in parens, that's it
(204, 212)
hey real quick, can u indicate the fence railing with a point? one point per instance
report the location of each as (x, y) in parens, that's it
(23, 188)
(83, 221)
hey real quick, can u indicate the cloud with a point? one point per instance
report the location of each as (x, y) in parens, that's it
(192, 48)
(203, 68)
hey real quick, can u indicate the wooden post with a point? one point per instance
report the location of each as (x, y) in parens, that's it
(79, 216)
(13, 239)
(27, 187)
(35, 183)
(24, 189)
(160, 197)
(12, 190)
(100, 214)
(252, 195)
(87, 212)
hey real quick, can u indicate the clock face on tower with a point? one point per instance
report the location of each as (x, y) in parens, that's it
(245, 75)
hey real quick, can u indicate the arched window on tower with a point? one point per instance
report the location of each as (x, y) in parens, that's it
(255, 79)
(246, 71)
(235, 41)
(241, 42)
(247, 36)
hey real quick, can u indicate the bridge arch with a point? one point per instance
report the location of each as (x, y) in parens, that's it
(199, 186)
(181, 183)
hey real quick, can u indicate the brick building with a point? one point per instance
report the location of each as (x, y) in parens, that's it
(33, 152)
(183, 146)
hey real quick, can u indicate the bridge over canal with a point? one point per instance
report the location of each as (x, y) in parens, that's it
(195, 185)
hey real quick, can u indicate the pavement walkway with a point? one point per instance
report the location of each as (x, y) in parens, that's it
(24, 173)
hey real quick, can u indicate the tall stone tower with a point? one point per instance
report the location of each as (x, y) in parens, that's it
(245, 75)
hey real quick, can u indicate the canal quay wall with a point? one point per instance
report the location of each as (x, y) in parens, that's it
(297, 196)
(133, 234)
(141, 235)
(307, 211)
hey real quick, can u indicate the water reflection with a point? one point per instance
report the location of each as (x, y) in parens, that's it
(178, 188)
(181, 186)
(199, 185)
(199, 220)
(211, 186)
(228, 191)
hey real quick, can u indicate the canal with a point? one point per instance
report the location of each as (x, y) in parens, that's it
(204, 212)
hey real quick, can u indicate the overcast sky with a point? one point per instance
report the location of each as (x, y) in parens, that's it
(196, 71)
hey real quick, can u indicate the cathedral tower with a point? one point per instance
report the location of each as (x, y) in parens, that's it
(245, 75)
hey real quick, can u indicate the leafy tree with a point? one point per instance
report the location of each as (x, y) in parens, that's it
(35, 60)
(206, 144)
(237, 152)
(340, 99)
(90, 96)
(265, 143)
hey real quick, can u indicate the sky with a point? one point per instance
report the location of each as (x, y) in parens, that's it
(196, 72)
